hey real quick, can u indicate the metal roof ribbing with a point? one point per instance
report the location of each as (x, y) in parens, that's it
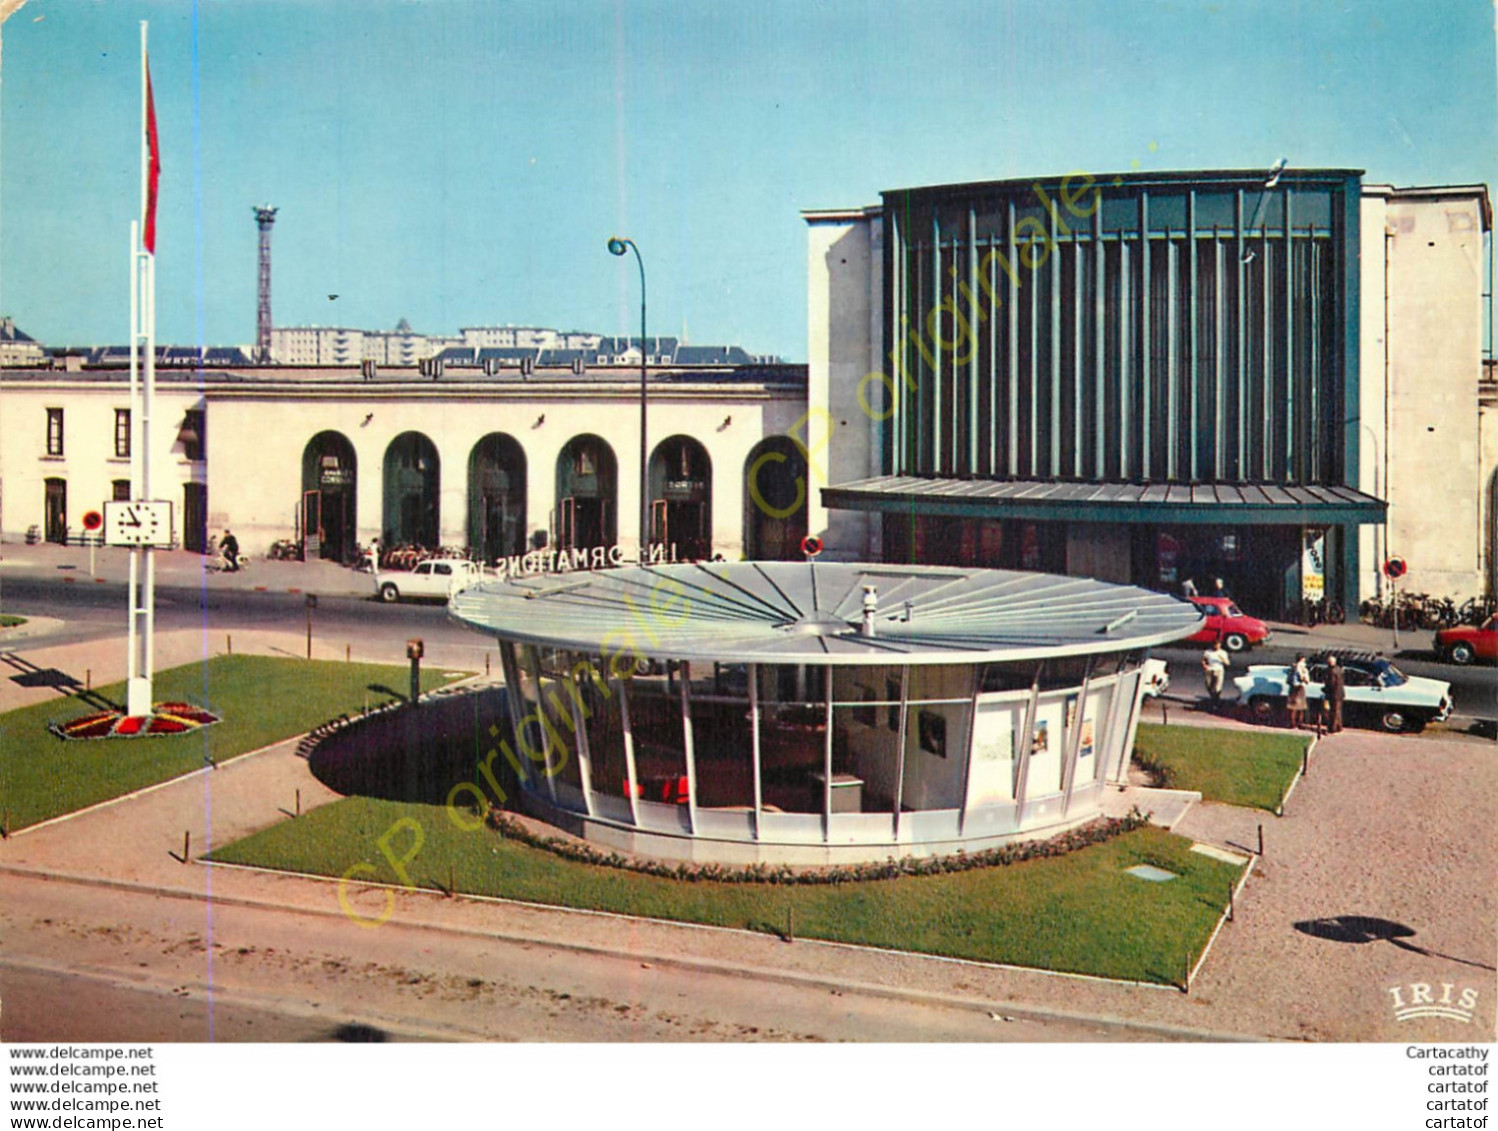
(1120, 502)
(782, 612)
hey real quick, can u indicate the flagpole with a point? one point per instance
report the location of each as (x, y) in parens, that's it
(143, 326)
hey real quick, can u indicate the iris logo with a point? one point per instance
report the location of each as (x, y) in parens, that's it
(1419, 999)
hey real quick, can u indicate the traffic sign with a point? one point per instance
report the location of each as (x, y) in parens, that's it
(811, 545)
(93, 520)
(1395, 568)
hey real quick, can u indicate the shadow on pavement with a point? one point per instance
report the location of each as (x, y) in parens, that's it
(1358, 929)
(29, 675)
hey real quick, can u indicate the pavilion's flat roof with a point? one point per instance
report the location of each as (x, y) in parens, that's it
(810, 613)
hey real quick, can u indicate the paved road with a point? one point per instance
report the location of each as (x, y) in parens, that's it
(84, 963)
(96, 611)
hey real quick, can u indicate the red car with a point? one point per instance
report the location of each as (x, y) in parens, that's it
(1226, 621)
(1468, 642)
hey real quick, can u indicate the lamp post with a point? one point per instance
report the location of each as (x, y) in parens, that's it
(617, 246)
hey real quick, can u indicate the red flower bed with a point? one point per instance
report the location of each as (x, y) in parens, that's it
(166, 718)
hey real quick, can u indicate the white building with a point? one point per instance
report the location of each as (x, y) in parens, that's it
(17, 347)
(500, 463)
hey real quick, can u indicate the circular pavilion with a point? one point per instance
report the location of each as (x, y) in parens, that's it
(812, 713)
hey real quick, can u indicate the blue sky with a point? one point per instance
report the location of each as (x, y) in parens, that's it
(462, 163)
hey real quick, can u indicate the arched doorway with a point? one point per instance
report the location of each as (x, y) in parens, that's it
(774, 500)
(587, 482)
(681, 497)
(496, 497)
(329, 482)
(413, 478)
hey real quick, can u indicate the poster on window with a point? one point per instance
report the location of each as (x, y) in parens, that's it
(1313, 566)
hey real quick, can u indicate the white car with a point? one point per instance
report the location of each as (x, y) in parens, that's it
(436, 580)
(1376, 691)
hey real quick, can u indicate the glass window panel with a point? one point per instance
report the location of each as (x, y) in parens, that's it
(1120, 214)
(722, 744)
(1311, 208)
(1216, 210)
(660, 740)
(1167, 211)
(940, 682)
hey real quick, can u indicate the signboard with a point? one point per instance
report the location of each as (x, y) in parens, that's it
(141, 523)
(579, 558)
(93, 520)
(1395, 568)
(1313, 566)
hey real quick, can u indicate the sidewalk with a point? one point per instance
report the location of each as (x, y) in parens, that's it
(1354, 634)
(180, 569)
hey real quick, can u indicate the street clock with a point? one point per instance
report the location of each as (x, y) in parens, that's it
(138, 524)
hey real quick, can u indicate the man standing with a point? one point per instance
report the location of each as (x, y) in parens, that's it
(1215, 663)
(1334, 693)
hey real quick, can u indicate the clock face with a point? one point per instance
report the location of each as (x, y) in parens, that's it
(138, 523)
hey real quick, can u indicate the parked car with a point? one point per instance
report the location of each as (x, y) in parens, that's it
(1156, 678)
(1468, 642)
(435, 580)
(1224, 620)
(1378, 693)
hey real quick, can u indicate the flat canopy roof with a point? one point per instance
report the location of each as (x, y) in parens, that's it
(811, 613)
(1050, 501)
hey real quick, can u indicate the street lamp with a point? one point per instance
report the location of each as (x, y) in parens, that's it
(617, 247)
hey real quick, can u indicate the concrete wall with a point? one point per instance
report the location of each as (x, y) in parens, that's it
(1423, 275)
(88, 463)
(845, 303)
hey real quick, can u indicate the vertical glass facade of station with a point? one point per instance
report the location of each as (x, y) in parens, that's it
(1192, 328)
(1185, 331)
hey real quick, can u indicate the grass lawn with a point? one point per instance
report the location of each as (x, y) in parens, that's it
(262, 699)
(8, 620)
(1077, 912)
(1236, 766)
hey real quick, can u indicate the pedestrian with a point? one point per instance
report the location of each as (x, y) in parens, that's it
(372, 555)
(1299, 676)
(1215, 663)
(228, 546)
(1334, 693)
(1218, 588)
(1188, 588)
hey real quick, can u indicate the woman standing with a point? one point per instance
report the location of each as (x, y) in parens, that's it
(1300, 675)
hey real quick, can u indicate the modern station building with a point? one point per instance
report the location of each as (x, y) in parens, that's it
(1268, 378)
(809, 713)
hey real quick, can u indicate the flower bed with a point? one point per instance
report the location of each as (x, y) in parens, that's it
(165, 718)
(1094, 832)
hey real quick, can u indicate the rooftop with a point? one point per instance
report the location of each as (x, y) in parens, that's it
(811, 613)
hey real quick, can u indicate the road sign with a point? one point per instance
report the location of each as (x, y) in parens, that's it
(811, 545)
(1395, 568)
(93, 520)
